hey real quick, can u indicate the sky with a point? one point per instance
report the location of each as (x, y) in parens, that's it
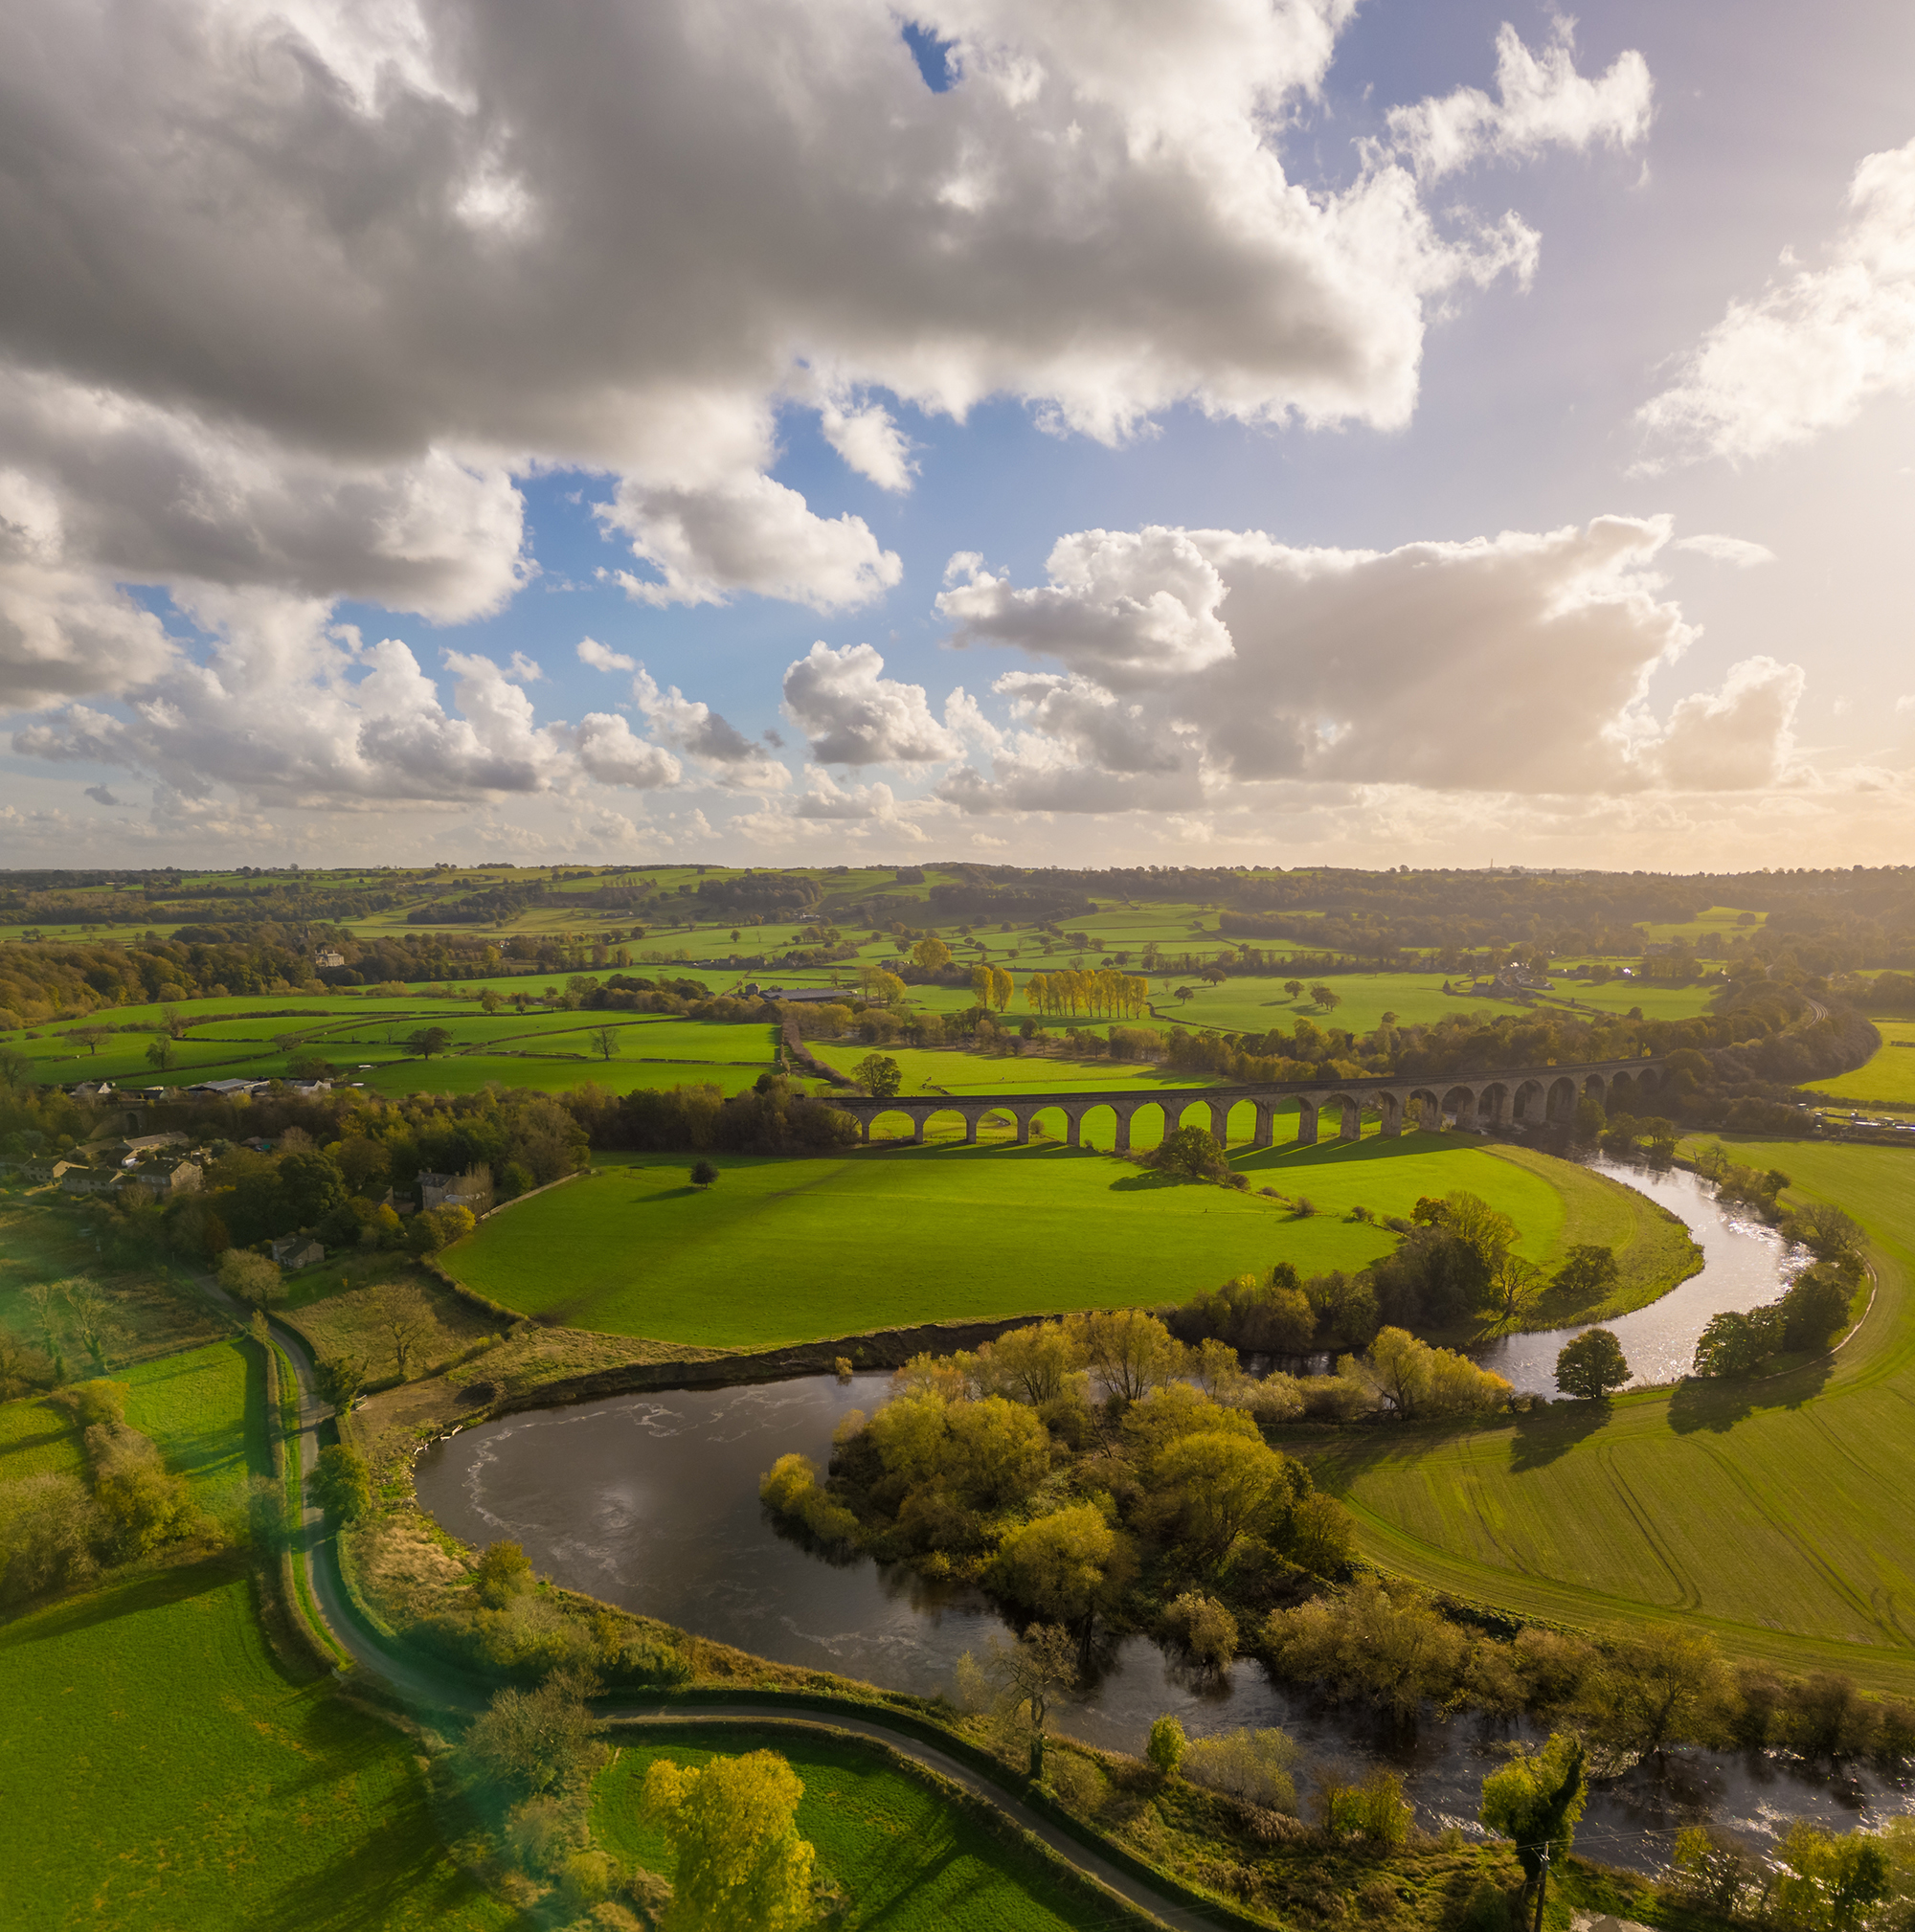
(1070, 432)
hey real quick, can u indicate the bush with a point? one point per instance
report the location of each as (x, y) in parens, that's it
(1375, 1809)
(1190, 1153)
(504, 1572)
(46, 1526)
(1167, 1746)
(1255, 1767)
(340, 1485)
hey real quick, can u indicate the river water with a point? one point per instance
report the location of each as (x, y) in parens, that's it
(651, 1502)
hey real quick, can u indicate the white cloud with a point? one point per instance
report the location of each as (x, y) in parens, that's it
(1737, 550)
(742, 763)
(1808, 353)
(291, 710)
(1543, 103)
(853, 715)
(299, 289)
(609, 752)
(603, 658)
(1520, 663)
(748, 533)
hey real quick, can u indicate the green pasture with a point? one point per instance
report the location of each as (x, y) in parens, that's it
(205, 1412)
(467, 1073)
(38, 1437)
(1777, 1514)
(1657, 999)
(784, 1249)
(1714, 922)
(887, 1835)
(163, 1771)
(1887, 1079)
(1257, 1004)
(954, 1070)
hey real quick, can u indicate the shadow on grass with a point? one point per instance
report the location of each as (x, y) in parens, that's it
(1718, 1404)
(1346, 1152)
(1544, 1434)
(108, 1604)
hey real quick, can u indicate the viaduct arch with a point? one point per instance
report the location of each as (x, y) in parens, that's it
(1520, 1094)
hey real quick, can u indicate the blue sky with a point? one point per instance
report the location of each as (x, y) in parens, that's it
(1498, 427)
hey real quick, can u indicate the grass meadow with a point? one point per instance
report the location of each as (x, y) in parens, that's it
(37, 1438)
(893, 1841)
(164, 1771)
(205, 1410)
(1887, 1078)
(785, 1250)
(1778, 1514)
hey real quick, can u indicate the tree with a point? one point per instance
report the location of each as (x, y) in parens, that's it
(732, 1824)
(1535, 1799)
(1660, 1684)
(1592, 1365)
(1131, 1351)
(1031, 1364)
(310, 1186)
(1035, 1670)
(1057, 1565)
(251, 1278)
(1190, 1153)
(340, 1485)
(92, 1038)
(504, 1572)
(1166, 1747)
(406, 1316)
(605, 1042)
(1590, 1273)
(1826, 1231)
(341, 1378)
(932, 954)
(1293, 987)
(879, 1075)
(90, 1316)
(1733, 1345)
(703, 1173)
(161, 1054)
(535, 1738)
(1003, 988)
(426, 1040)
(1514, 1285)
(1225, 1486)
(1325, 999)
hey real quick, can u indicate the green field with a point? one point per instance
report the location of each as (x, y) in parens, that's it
(1777, 1514)
(887, 1837)
(206, 1411)
(1887, 1079)
(38, 1437)
(784, 1249)
(949, 1070)
(163, 1772)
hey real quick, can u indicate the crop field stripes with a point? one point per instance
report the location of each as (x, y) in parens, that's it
(1687, 1596)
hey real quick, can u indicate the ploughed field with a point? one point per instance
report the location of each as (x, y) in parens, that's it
(788, 1249)
(1779, 1514)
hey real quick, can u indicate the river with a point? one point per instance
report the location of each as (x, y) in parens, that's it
(651, 1502)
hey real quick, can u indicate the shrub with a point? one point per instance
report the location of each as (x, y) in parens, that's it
(1190, 1153)
(1167, 1746)
(1255, 1767)
(340, 1485)
(1375, 1809)
(504, 1572)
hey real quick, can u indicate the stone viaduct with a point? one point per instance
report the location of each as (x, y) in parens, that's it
(1523, 1095)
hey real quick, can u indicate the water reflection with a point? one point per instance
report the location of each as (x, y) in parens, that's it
(1744, 1264)
(651, 1502)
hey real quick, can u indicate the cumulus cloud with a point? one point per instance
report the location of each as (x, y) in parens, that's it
(294, 292)
(749, 533)
(1541, 101)
(1518, 664)
(603, 658)
(854, 715)
(1808, 353)
(696, 728)
(290, 709)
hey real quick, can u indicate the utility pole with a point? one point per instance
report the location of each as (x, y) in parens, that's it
(1542, 1887)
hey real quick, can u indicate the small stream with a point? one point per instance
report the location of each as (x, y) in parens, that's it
(651, 1502)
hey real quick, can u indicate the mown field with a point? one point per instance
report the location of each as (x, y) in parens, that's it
(1777, 1514)
(785, 1250)
(163, 1771)
(1887, 1078)
(38, 1437)
(889, 1839)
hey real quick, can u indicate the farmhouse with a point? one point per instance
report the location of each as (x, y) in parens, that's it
(298, 1250)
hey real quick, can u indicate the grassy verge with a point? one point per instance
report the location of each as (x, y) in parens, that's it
(164, 1771)
(1778, 1514)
